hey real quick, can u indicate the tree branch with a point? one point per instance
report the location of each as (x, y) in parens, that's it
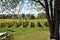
(47, 12)
(39, 2)
(51, 9)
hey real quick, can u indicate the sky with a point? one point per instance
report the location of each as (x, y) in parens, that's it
(24, 7)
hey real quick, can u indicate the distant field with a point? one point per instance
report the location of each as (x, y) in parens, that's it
(28, 33)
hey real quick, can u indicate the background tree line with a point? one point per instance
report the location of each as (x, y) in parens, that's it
(23, 16)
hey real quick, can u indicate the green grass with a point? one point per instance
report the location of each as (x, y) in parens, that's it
(22, 29)
(29, 33)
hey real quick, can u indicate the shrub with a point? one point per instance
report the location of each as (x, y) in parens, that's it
(25, 24)
(2, 25)
(18, 24)
(10, 25)
(39, 25)
(46, 24)
(32, 24)
(9, 37)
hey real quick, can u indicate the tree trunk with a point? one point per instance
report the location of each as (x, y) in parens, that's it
(52, 28)
(50, 20)
(53, 19)
(56, 34)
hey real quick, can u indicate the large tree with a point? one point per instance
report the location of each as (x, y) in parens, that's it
(52, 13)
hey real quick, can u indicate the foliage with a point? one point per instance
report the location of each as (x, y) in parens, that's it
(32, 24)
(46, 24)
(7, 36)
(23, 16)
(10, 37)
(25, 24)
(41, 16)
(39, 25)
(10, 24)
(18, 24)
(2, 25)
(8, 4)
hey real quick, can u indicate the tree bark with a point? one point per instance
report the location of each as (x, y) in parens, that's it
(47, 11)
(53, 19)
(56, 34)
(52, 27)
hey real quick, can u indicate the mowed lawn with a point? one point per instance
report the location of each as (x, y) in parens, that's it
(35, 33)
(28, 33)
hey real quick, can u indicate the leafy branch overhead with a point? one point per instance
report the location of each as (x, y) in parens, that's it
(13, 5)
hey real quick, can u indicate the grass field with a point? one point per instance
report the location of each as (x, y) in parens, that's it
(29, 33)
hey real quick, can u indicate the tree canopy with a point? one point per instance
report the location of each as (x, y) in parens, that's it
(16, 6)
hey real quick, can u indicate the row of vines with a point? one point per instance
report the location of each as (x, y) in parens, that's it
(23, 23)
